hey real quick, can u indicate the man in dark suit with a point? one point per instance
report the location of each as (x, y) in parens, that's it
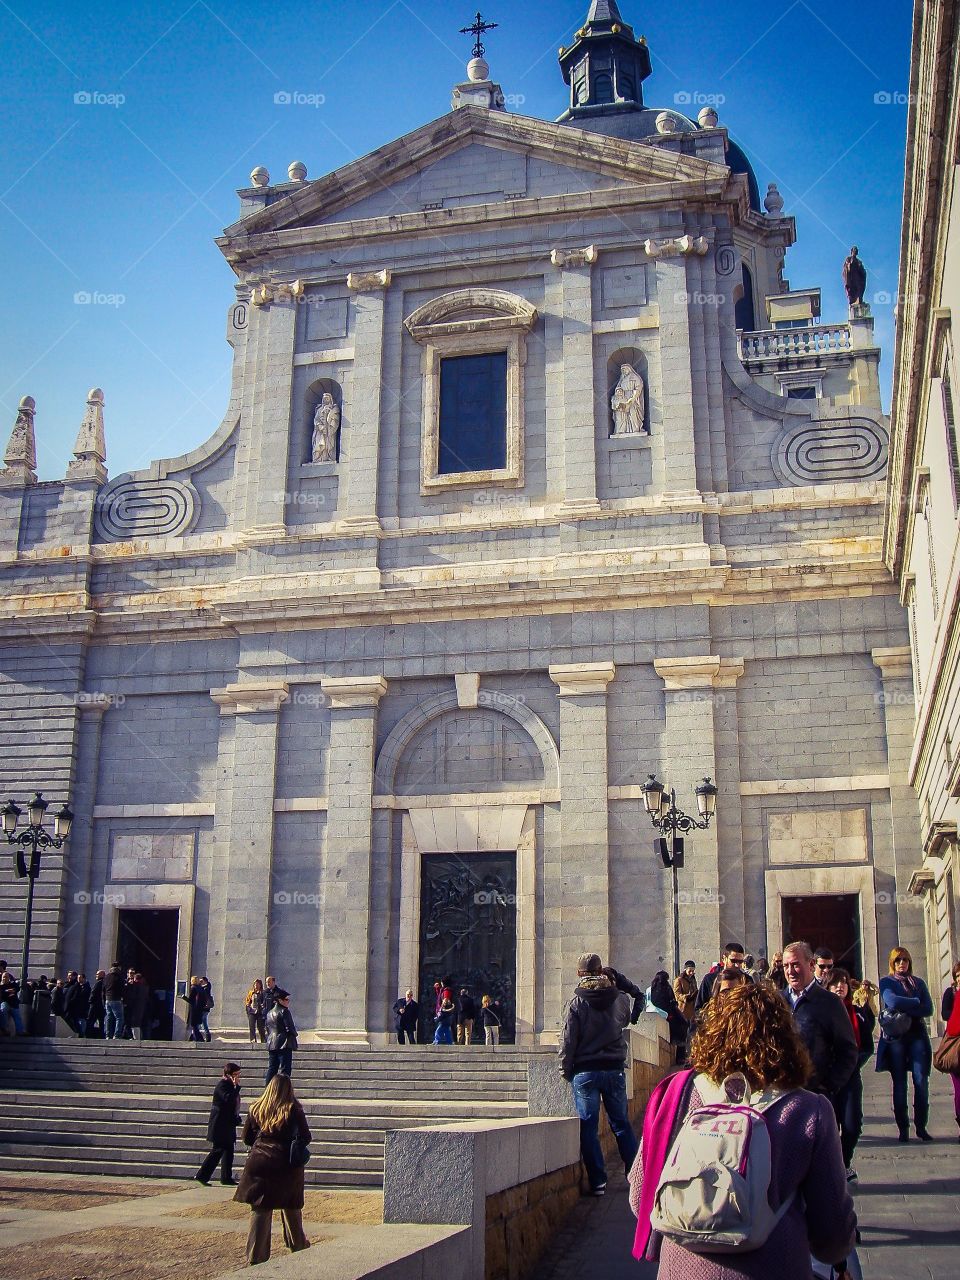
(822, 1021)
(406, 1013)
(281, 1037)
(222, 1128)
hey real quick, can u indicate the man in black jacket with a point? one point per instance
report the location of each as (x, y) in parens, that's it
(731, 957)
(96, 1009)
(822, 1021)
(406, 1015)
(281, 1037)
(593, 1054)
(113, 987)
(222, 1128)
(75, 1001)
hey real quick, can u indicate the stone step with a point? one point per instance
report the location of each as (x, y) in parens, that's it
(175, 1150)
(316, 1174)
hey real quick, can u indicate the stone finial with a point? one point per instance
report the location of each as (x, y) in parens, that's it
(667, 122)
(707, 118)
(20, 458)
(773, 201)
(259, 176)
(90, 451)
(478, 69)
(297, 171)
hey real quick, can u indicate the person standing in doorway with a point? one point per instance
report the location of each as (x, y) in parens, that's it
(96, 1010)
(491, 1022)
(281, 1037)
(113, 989)
(444, 1031)
(196, 999)
(135, 1005)
(466, 1017)
(208, 1006)
(222, 1128)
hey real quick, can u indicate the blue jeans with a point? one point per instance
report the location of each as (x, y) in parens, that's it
(205, 1027)
(442, 1035)
(113, 1022)
(11, 1011)
(910, 1054)
(280, 1062)
(590, 1088)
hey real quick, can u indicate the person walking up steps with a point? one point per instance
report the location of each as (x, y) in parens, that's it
(222, 1127)
(269, 1180)
(904, 1043)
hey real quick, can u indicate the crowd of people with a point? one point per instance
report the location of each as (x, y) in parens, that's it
(453, 1020)
(115, 1006)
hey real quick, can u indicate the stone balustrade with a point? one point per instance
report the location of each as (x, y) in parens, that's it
(809, 340)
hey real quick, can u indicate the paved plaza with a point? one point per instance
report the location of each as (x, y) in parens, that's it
(908, 1204)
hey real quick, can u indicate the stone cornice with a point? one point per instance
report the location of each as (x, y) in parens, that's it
(248, 699)
(574, 257)
(369, 281)
(895, 663)
(577, 678)
(688, 673)
(348, 692)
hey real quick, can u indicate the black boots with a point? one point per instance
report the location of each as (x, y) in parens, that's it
(902, 1124)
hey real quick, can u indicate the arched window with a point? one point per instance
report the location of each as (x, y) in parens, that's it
(603, 88)
(744, 314)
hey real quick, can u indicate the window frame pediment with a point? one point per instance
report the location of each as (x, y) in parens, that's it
(471, 322)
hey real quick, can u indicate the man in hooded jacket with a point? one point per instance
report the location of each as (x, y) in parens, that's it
(593, 1055)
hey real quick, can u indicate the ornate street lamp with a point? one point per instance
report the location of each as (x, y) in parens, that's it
(35, 838)
(661, 805)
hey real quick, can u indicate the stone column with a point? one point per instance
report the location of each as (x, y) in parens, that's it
(264, 444)
(242, 907)
(689, 754)
(361, 443)
(576, 893)
(900, 922)
(345, 879)
(676, 389)
(579, 429)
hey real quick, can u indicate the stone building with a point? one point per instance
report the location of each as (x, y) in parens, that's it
(921, 539)
(536, 477)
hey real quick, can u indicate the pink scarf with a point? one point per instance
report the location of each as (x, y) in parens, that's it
(658, 1124)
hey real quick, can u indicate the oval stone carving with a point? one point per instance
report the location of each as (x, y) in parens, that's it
(821, 452)
(145, 509)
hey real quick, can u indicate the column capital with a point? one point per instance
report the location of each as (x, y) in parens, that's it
(246, 699)
(573, 678)
(708, 672)
(368, 281)
(345, 692)
(894, 663)
(575, 257)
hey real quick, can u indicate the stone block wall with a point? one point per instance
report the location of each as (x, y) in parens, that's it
(521, 1222)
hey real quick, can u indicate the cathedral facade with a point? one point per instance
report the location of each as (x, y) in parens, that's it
(536, 479)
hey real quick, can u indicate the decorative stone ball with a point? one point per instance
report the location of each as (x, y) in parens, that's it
(667, 122)
(259, 176)
(477, 69)
(95, 395)
(297, 171)
(773, 200)
(707, 118)
(28, 402)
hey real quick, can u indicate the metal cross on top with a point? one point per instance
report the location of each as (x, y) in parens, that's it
(477, 30)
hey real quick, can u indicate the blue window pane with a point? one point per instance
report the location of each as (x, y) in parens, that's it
(473, 413)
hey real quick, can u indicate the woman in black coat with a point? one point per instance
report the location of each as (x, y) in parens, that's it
(269, 1181)
(222, 1128)
(196, 998)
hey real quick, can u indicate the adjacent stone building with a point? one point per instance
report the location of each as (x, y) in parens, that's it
(536, 478)
(921, 537)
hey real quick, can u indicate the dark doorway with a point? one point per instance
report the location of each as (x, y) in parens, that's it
(468, 933)
(147, 942)
(826, 920)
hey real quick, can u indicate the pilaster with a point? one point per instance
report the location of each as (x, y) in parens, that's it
(576, 890)
(676, 391)
(361, 444)
(345, 880)
(265, 418)
(900, 921)
(243, 912)
(579, 431)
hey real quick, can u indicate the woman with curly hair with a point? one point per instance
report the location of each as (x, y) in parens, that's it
(269, 1181)
(749, 1031)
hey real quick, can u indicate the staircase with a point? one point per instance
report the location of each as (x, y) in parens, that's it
(140, 1109)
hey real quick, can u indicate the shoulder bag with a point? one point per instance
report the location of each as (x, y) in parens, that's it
(299, 1151)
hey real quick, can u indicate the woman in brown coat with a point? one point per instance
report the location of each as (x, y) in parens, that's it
(269, 1181)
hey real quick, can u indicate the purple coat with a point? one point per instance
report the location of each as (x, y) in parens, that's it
(806, 1159)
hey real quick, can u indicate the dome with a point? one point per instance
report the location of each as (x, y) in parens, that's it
(739, 163)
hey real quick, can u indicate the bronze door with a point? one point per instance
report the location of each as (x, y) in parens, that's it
(468, 934)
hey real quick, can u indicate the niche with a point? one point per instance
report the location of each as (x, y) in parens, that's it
(322, 421)
(631, 416)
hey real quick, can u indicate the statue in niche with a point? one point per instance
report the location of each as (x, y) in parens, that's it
(628, 403)
(854, 278)
(326, 428)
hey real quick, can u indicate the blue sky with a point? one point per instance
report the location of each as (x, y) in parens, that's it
(119, 197)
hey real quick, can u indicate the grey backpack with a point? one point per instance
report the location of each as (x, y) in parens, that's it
(713, 1193)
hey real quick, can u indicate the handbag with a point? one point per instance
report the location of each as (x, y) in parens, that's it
(299, 1151)
(946, 1056)
(895, 1025)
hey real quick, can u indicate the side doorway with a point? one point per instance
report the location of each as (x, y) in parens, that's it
(826, 920)
(147, 942)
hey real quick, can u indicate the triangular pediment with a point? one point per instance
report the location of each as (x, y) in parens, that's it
(476, 156)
